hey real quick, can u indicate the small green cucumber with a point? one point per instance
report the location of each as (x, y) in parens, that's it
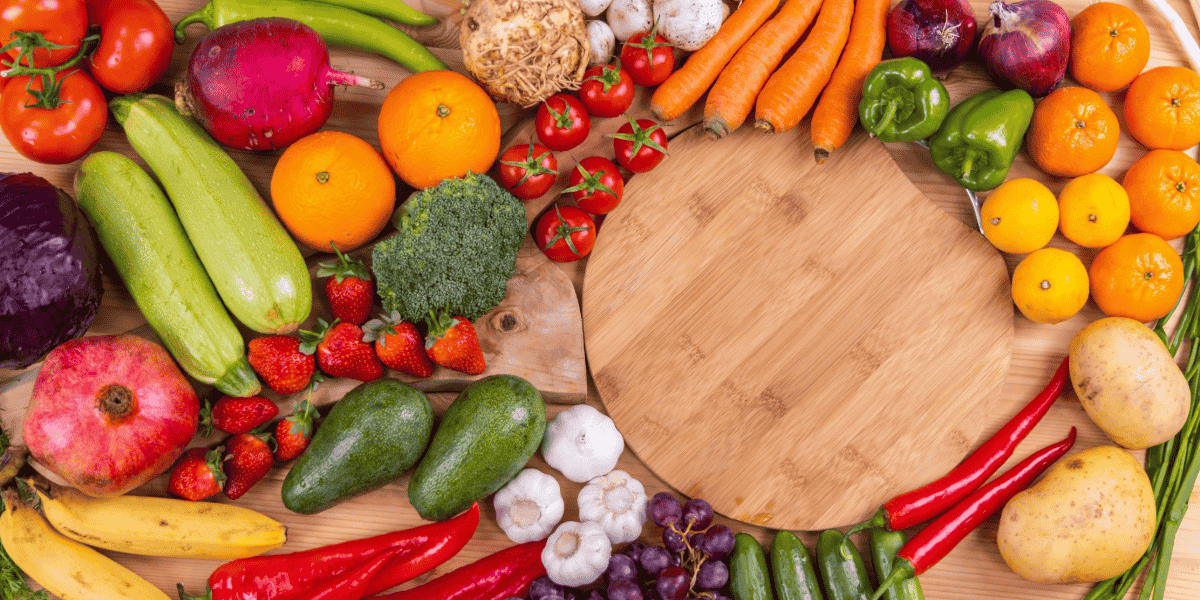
(375, 433)
(792, 567)
(142, 234)
(254, 264)
(748, 576)
(486, 437)
(842, 570)
(884, 545)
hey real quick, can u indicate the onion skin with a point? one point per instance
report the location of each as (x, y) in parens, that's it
(1027, 44)
(940, 33)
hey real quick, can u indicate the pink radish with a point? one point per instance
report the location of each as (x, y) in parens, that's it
(262, 84)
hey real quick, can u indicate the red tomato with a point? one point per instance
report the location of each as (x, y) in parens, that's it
(54, 135)
(561, 122)
(596, 185)
(640, 145)
(565, 233)
(648, 57)
(606, 91)
(136, 39)
(62, 22)
(528, 170)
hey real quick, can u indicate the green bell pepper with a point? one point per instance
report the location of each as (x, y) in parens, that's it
(902, 102)
(981, 136)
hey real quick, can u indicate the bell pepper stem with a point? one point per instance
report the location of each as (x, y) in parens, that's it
(901, 569)
(183, 594)
(888, 115)
(968, 162)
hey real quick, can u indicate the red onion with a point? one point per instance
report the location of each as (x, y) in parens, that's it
(939, 32)
(1026, 44)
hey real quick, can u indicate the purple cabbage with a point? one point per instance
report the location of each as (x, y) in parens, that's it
(49, 269)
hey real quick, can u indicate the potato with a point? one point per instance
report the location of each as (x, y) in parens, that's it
(1128, 382)
(1090, 518)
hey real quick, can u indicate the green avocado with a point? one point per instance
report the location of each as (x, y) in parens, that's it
(369, 439)
(486, 437)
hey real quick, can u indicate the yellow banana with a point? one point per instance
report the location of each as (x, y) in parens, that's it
(66, 568)
(161, 526)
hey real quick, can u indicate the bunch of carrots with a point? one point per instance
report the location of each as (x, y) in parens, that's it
(742, 65)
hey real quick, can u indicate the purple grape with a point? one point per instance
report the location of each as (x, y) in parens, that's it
(673, 540)
(624, 589)
(711, 575)
(634, 550)
(717, 541)
(594, 595)
(697, 512)
(621, 566)
(672, 583)
(654, 559)
(544, 589)
(665, 509)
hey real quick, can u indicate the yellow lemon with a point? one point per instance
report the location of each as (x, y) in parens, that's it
(1050, 286)
(1020, 216)
(1093, 210)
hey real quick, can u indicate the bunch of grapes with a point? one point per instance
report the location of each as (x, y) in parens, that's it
(692, 561)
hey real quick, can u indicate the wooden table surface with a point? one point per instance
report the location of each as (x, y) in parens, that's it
(974, 570)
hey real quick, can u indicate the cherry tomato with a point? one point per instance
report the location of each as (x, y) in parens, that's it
(648, 57)
(54, 135)
(136, 39)
(565, 233)
(62, 22)
(596, 185)
(561, 122)
(528, 170)
(606, 91)
(640, 145)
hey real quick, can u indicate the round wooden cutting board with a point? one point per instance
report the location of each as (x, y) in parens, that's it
(792, 342)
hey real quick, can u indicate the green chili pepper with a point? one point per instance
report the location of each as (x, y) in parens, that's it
(391, 10)
(337, 25)
(902, 102)
(981, 136)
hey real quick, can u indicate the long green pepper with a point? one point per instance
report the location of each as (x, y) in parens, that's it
(980, 138)
(336, 24)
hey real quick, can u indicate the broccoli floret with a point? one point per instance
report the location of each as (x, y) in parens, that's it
(455, 248)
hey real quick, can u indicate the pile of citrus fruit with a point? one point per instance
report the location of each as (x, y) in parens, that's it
(1135, 273)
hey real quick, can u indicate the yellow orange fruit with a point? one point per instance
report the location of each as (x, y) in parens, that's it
(1093, 210)
(1019, 216)
(1050, 285)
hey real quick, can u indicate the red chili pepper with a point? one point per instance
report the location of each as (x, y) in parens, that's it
(936, 540)
(436, 550)
(351, 585)
(289, 576)
(913, 508)
(505, 574)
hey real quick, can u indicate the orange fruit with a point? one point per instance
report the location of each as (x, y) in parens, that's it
(1162, 108)
(1050, 285)
(330, 188)
(1109, 46)
(1093, 210)
(1020, 216)
(1073, 132)
(1164, 193)
(436, 125)
(1140, 276)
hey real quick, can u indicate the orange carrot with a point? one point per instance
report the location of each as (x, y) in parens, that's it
(836, 113)
(685, 86)
(793, 88)
(732, 97)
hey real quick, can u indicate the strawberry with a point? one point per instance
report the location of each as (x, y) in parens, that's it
(198, 474)
(350, 290)
(237, 415)
(282, 363)
(341, 351)
(293, 433)
(399, 345)
(453, 343)
(248, 458)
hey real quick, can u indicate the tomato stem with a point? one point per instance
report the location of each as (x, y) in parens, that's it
(47, 97)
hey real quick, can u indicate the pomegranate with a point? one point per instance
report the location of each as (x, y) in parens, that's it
(109, 413)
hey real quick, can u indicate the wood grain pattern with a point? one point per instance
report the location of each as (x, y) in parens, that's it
(745, 313)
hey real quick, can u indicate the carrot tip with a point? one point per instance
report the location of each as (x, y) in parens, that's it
(716, 129)
(764, 125)
(820, 154)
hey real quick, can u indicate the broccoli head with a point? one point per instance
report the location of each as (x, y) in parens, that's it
(455, 249)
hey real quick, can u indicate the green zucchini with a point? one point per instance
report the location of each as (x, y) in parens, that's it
(160, 268)
(792, 567)
(748, 576)
(884, 545)
(842, 568)
(254, 264)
